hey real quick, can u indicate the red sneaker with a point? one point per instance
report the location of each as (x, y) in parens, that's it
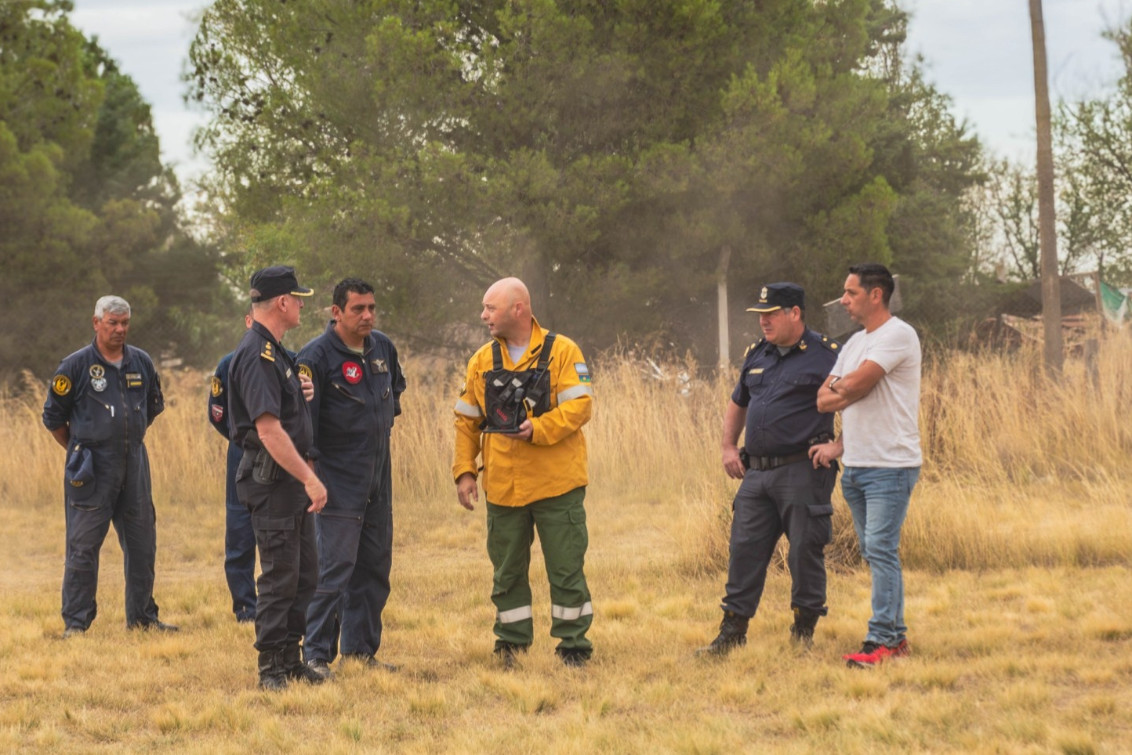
(873, 654)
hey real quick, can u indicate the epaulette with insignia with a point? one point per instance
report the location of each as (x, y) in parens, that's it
(753, 346)
(268, 352)
(830, 344)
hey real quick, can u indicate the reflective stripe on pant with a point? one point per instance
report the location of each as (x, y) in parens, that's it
(561, 524)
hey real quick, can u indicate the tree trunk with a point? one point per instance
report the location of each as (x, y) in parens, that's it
(534, 273)
(1047, 218)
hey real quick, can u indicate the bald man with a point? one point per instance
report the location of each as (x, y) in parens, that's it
(521, 410)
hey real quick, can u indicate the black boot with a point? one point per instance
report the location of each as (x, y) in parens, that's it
(272, 672)
(573, 657)
(802, 630)
(296, 669)
(507, 653)
(732, 634)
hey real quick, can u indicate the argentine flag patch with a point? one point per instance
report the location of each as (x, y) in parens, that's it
(583, 372)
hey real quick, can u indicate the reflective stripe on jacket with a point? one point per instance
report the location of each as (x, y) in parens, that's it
(518, 472)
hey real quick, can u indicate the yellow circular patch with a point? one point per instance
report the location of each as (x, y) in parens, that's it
(61, 385)
(217, 386)
(305, 371)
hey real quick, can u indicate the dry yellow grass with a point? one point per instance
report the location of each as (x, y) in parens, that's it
(1017, 548)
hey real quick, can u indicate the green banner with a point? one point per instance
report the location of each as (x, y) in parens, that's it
(1115, 303)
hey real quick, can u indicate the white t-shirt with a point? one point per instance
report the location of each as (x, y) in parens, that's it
(883, 429)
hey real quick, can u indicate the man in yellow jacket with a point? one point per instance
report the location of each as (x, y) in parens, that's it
(523, 411)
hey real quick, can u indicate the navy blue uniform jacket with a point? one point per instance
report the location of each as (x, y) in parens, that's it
(263, 379)
(108, 408)
(780, 393)
(356, 397)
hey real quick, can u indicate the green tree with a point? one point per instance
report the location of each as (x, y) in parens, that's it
(605, 151)
(85, 205)
(1095, 137)
(1012, 200)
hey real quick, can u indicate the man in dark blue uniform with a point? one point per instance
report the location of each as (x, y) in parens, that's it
(357, 386)
(267, 409)
(782, 490)
(102, 399)
(239, 537)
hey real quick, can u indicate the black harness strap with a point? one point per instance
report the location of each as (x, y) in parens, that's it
(543, 357)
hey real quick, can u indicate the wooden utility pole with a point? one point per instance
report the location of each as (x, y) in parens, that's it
(721, 300)
(1047, 217)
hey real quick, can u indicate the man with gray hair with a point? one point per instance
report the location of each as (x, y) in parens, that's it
(101, 400)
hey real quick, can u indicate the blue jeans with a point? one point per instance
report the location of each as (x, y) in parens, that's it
(878, 500)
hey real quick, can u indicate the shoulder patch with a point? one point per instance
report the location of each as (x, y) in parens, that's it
(61, 384)
(268, 352)
(305, 371)
(217, 387)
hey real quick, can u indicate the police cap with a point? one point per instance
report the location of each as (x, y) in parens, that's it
(275, 281)
(779, 296)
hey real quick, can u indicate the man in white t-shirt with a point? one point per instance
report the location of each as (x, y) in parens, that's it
(875, 384)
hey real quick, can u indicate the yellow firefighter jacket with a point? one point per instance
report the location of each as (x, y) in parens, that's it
(517, 472)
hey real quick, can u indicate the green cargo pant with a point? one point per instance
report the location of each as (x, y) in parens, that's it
(561, 523)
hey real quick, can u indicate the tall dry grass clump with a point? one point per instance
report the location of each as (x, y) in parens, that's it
(997, 418)
(654, 445)
(1022, 468)
(1019, 468)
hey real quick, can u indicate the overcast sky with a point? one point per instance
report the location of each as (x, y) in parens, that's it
(976, 51)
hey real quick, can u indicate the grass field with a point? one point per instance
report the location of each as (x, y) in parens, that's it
(1018, 593)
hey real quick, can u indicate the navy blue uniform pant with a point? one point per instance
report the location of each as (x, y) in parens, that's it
(355, 554)
(239, 543)
(794, 500)
(123, 496)
(284, 533)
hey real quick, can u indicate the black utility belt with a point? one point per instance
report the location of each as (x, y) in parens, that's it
(764, 463)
